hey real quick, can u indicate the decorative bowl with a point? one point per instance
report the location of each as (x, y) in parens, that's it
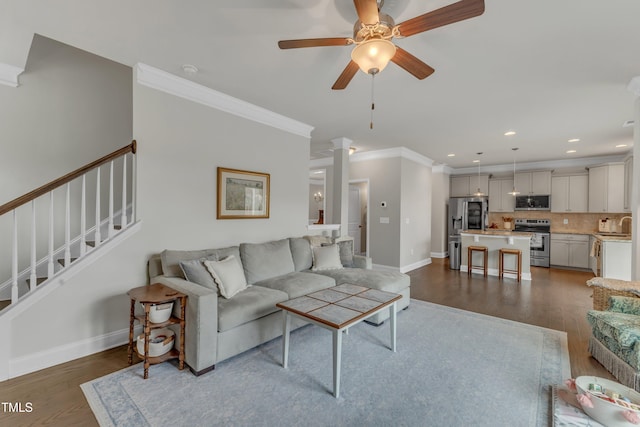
(608, 412)
(160, 342)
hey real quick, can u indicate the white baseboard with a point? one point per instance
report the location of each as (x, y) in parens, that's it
(65, 353)
(384, 267)
(439, 254)
(415, 265)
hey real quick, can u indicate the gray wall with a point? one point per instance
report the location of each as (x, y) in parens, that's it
(180, 145)
(416, 213)
(385, 185)
(72, 107)
(440, 200)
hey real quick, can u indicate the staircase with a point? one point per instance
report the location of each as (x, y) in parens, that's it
(65, 223)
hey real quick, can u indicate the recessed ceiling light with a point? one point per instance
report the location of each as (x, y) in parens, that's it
(451, 155)
(476, 161)
(574, 140)
(621, 145)
(628, 123)
(571, 151)
(318, 172)
(509, 133)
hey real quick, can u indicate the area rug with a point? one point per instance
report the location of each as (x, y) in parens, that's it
(451, 368)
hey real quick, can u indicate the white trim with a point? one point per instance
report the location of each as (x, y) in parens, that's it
(323, 227)
(59, 279)
(440, 254)
(415, 265)
(634, 86)
(9, 75)
(64, 353)
(447, 170)
(544, 165)
(174, 85)
(341, 143)
(387, 153)
(384, 267)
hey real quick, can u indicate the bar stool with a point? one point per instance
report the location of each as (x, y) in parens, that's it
(502, 270)
(485, 259)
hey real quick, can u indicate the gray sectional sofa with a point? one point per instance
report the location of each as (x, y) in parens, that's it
(218, 328)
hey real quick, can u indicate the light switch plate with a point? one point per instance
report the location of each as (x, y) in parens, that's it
(384, 220)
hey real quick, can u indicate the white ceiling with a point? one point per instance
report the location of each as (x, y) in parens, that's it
(551, 70)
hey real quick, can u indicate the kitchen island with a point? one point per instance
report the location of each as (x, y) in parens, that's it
(613, 256)
(495, 240)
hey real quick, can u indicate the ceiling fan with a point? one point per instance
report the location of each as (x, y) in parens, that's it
(373, 32)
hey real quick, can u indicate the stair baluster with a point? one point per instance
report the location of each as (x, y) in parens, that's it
(111, 229)
(67, 227)
(33, 276)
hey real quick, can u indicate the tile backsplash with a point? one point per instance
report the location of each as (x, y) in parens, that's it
(580, 223)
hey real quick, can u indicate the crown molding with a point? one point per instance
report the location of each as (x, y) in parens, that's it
(341, 143)
(447, 170)
(154, 78)
(387, 153)
(552, 164)
(9, 75)
(634, 86)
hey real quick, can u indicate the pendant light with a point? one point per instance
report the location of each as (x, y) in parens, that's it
(479, 192)
(514, 192)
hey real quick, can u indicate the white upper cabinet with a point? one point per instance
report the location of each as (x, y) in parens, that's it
(467, 185)
(499, 198)
(569, 193)
(606, 188)
(534, 183)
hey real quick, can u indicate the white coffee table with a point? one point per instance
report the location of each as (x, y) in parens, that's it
(337, 309)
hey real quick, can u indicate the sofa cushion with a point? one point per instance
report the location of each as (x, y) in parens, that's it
(301, 253)
(171, 258)
(622, 328)
(390, 281)
(195, 271)
(249, 304)
(263, 261)
(298, 284)
(228, 275)
(326, 258)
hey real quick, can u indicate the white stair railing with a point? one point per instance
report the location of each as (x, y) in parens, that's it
(24, 246)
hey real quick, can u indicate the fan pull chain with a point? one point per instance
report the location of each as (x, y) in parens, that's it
(373, 105)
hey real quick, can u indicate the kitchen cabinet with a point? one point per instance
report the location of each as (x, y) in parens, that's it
(606, 188)
(628, 182)
(467, 185)
(569, 193)
(499, 198)
(616, 259)
(534, 183)
(569, 250)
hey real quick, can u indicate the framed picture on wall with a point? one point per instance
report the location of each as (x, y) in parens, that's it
(242, 194)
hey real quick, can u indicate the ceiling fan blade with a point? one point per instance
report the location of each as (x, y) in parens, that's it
(346, 76)
(411, 64)
(331, 41)
(455, 12)
(367, 11)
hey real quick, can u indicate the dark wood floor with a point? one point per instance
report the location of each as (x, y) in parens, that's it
(556, 299)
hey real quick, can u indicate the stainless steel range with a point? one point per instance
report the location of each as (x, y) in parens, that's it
(540, 241)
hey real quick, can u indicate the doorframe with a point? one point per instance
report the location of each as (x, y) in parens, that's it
(368, 222)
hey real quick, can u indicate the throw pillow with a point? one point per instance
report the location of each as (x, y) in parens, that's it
(345, 248)
(195, 271)
(326, 258)
(228, 274)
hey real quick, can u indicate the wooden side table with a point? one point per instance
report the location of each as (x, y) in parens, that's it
(156, 293)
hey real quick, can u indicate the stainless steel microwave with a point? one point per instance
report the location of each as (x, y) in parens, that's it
(533, 203)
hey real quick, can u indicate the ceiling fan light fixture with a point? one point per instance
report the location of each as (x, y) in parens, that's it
(373, 55)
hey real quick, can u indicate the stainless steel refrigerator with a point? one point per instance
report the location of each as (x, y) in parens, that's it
(465, 213)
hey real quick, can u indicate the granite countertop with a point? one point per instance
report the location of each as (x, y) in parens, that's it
(610, 237)
(498, 232)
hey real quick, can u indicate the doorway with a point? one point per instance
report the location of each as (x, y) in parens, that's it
(358, 225)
